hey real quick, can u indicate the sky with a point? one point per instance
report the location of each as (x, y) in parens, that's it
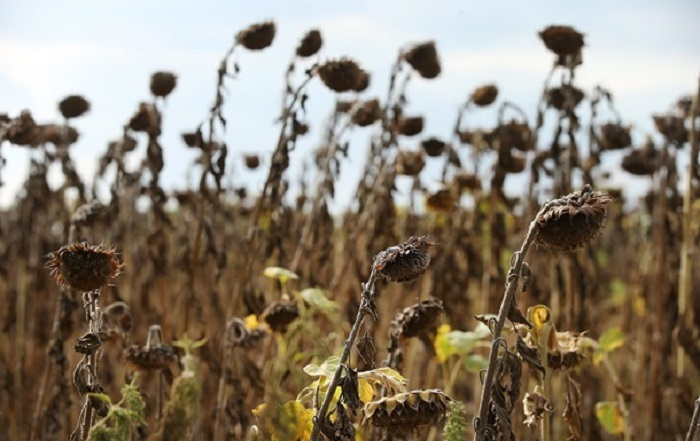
(646, 52)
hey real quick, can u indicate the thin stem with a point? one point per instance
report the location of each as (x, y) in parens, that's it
(685, 275)
(365, 307)
(513, 278)
(251, 236)
(694, 422)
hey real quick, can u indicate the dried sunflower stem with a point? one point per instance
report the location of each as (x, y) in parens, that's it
(694, 422)
(508, 296)
(362, 312)
(93, 314)
(685, 275)
(323, 184)
(251, 235)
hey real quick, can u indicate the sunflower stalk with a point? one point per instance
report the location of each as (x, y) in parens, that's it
(366, 308)
(563, 224)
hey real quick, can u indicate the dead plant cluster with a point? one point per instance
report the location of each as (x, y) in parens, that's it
(221, 313)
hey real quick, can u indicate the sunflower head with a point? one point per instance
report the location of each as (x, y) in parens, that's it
(84, 267)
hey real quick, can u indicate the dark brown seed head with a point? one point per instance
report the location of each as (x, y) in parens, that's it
(410, 125)
(672, 128)
(443, 200)
(404, 262)
(564, 97)
(485, 95)
(409, 163)
(162, 83)
(258, 36)
(433, 147)
(84, 267)
(56, 134)
(367, 114)
(252, 161)
(153, 357)
(408, 412)
(423, 58)
(562, 40)
(573, 221)
(417, 319)
(643, 161)
(310, 44)
(340, 75)
(73, 106)
(280, 314)
(511, 161)
(466, 181)
(614, 137)
(513, 135)
(21, 130)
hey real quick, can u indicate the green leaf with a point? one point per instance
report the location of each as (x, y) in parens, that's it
(619, 292)
(475, 363)
(317, 298)
(610, 417)
(610, 340)
(327, 368)
(103, 397)
(448, 342)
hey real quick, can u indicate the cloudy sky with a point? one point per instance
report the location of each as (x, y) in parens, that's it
(646, 52)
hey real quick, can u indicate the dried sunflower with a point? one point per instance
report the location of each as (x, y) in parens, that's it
(162, 83)
(341, 75)
(404, 262)
(258, 36)
(416, 319)
(84, 267)
(484, 95)
(423, 58)
(573, 220)
(410, 126)
(310, 44)
(408, 412)
(73, 106)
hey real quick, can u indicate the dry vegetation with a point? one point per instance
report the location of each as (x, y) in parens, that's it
(216, 313)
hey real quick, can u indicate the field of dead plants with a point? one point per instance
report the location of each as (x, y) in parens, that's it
(560, 311)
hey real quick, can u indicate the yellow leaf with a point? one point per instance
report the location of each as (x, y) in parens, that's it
(289, 422)
(611, 339)
(443, 349)
(610, 417)
(251, 322)
(539, 316)
(597, 358)
(279, 273)
(366, 391)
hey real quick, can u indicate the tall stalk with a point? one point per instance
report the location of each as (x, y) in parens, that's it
(508, 296)
(366, 308)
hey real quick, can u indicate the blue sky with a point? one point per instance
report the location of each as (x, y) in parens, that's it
(646, 52)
